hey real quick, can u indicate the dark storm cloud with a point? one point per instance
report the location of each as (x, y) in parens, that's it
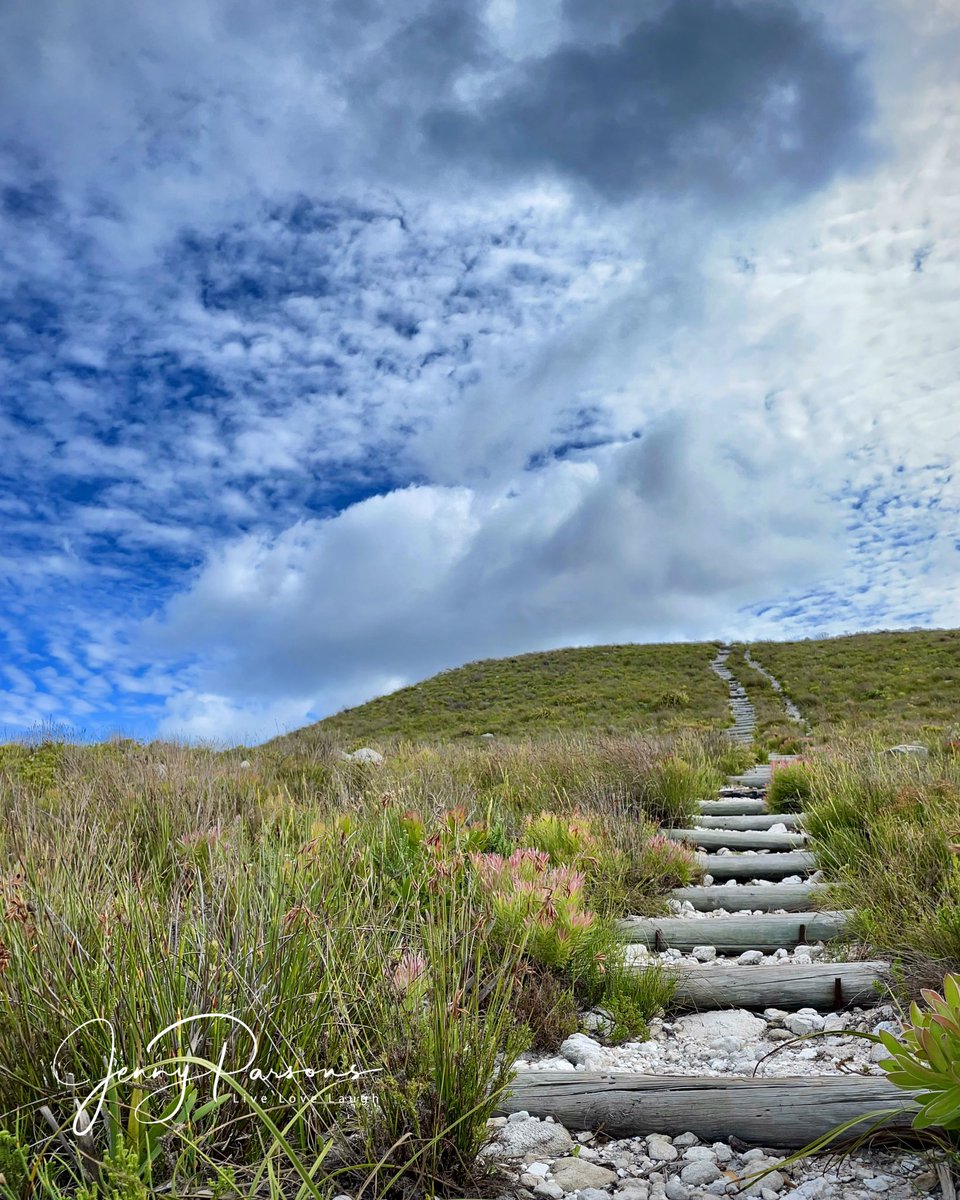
(720, 100)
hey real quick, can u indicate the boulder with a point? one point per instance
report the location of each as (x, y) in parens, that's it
(580, 1049)
(575, 1174)
(530, 1138)
(365, 755)
(734, 1022)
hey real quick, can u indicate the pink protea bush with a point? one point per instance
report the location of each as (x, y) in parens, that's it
(535, 902)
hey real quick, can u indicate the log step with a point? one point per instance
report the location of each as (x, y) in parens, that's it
(760, 821)
(733, 935)
(794, 897)
(757, 866)
(824, 986)
(733, 839)
(782, 1113)
(759, 777)
(734, 806)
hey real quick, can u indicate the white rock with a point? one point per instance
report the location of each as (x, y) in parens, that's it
(699, 1173)
(530, 1138)
(720, 1023)
(704, 953)
(802, 1025)
(365, 755)
(699, 1153)
(750, 958)
(674, 1189)
(660, 1150)
(580, 1049)
(574, 1174)
(548, 1190)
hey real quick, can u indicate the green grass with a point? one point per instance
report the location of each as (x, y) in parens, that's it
(425, 919)
(885, 831)
(609, 689)
(896, 685)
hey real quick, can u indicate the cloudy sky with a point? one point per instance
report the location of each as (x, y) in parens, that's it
(342, 341)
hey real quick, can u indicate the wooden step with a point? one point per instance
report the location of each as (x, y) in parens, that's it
(760, 821)
(734, 934)
(823, 986)
(780, 1113)
(733, 839)
(757, 779)
(794, 897)
(757, 866)
(734, 806)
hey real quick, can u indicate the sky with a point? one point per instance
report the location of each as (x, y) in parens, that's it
(343, 341)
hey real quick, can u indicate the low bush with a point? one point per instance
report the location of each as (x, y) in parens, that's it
(790, 789)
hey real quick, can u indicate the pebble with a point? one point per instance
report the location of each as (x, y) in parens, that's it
(750, 958)
(660, 1150)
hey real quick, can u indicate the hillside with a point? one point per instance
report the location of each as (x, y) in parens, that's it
(898, 685)
(605, 688)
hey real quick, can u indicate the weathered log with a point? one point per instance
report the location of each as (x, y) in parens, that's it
(734, 934)
(735, 839)
(824, 986)
(760, 821)
(757, 777)
(757, 866)
(734, 806)
(792, 897)
(779, 1113)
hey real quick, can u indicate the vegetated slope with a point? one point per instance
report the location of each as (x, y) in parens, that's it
(598, 688)
(897, 685)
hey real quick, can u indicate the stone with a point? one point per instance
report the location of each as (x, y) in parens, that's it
(596, 1021)
(540, 1169)
(675, 1189)
(632, 1189)
(366, 755)
(573, 1175)
(245, 765)
(592, 1193)
(722, 1152)
(660, 1150)
(909, 748)
(693, 1153)
(522, 1115)
(683, 1140)
(802, 1025)
(548, 1190)
(530, 1138)
(700, 1173)
(779, 1035)
(750, 958)
(580, 1049)
(704, 953)
(721, 1023)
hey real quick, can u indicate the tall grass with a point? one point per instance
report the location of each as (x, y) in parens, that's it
(886, 831)
(332, 911)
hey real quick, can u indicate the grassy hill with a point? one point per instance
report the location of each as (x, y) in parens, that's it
(900, 684)
(609, 689)
(897, 685)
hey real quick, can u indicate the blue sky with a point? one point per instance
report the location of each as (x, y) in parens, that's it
(344, 342)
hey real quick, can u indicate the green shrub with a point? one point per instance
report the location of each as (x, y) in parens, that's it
(790, 789)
